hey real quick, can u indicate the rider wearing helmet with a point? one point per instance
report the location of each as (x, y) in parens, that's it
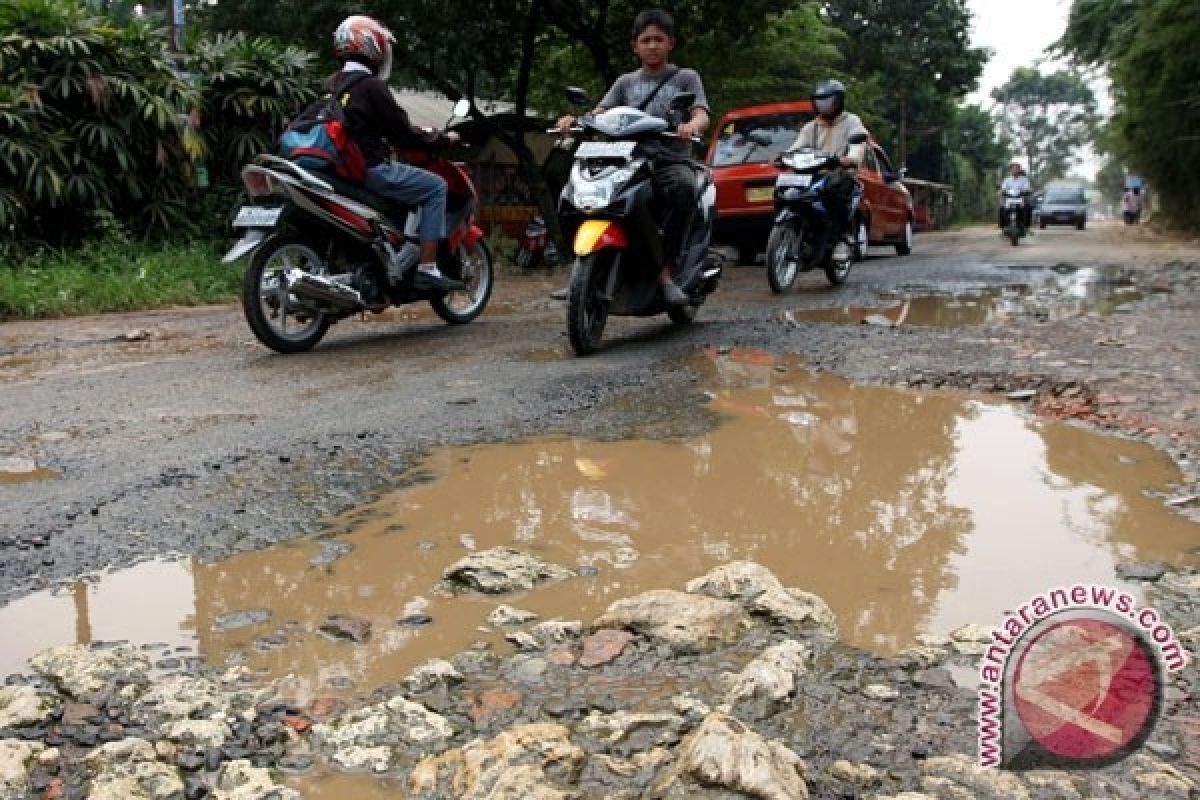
(377, 124)
(1017, 181)
(830, 132)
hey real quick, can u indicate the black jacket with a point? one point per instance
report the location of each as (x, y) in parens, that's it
(377, 123)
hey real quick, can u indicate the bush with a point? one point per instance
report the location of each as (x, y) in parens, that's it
(89, 120)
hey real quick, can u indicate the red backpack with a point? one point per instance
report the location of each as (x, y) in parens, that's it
(319, 138)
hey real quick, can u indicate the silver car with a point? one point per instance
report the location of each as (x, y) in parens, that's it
(1063, 205)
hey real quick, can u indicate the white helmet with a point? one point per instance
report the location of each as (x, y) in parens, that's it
(362, 39)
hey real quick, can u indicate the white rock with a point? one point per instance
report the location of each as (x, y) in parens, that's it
(724, 753)
(79, 671)
(432, 674)
(877, 691)
(524, 642)
(512, 765)
(972, 632)
(126, 750)
(208, 733)
(1160, 779)
(557, 631)
(771, 676)
(758, 590)
(15, 759)
(361, 759)
(501, 570)
(240, 780)
(620, 725)
(180, 697)
(24, 705)
(863, 776)
(127, 770)
(506, 617)
(688, 623)
(986, 784)
(359, 735)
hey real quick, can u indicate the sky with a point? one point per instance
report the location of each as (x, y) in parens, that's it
(1018, 32)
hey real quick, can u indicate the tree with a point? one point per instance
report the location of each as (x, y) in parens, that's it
(1048, 117)
(920, 50)
(1149, 50)
(975, 157)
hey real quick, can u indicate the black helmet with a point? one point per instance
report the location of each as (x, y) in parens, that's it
(826, 91)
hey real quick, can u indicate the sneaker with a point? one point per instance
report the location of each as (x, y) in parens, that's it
(842, 252)
(427, 282)
(673, 295)
(561, 294)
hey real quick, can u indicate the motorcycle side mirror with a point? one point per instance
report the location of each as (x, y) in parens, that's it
(683, 101)
(858, 138)
(577, 96)
(462, 107)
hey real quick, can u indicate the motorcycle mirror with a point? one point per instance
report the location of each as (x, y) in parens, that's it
(683, 100)
(858, 138)
(577, 96)
(462, 107)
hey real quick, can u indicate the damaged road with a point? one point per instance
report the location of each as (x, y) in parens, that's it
(174, 432)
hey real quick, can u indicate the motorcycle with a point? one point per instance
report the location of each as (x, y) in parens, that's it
(800, 239)
(618, 242)
(536, 246)
(1014, 215)
(321, 248)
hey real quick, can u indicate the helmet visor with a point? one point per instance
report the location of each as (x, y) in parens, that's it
(826, 105)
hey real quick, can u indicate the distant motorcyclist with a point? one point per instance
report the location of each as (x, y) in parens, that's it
(830, 132)
(1017, 182)
(652, 88)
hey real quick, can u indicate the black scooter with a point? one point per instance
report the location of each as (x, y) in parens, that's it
(618, 243)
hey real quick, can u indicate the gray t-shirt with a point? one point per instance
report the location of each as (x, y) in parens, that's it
(632, 89)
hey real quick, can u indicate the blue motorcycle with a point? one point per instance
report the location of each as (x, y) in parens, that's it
(802, 237)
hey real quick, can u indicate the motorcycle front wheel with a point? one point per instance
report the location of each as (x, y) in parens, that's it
(477, 271)
(587, 305)
(781, 258)
(276, 317)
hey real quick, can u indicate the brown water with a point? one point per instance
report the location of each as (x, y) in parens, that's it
(1058, 299)
(907, 512)
(15, 469)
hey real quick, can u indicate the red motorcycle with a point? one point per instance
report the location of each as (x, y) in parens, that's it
(322, 248)
(537, 247)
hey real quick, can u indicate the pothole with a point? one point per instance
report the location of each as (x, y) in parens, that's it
(909, 513)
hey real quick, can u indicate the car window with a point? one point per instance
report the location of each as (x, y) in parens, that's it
(884, 164)
(869, 161)
(1065, 197)
(734, 145)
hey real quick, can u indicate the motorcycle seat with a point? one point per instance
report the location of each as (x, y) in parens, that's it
(360, 194)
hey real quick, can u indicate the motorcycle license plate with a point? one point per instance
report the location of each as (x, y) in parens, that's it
(257, 217)
(605, 149)
(801, 181)
(761, 194)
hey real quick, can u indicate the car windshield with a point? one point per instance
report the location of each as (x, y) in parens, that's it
(1064, 198)
(734, 145)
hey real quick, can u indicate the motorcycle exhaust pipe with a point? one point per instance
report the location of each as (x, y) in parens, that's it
(318, 287)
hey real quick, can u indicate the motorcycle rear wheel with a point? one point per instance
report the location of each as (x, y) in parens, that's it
(781, 259)
(267, 306)
(587, 307)
(478, 273)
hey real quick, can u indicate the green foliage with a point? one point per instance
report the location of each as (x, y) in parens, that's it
(88, 121)
(975, 159)
(249, 88)
(1149, 50)
(1048, 117)
(919, 53)
(115, 274)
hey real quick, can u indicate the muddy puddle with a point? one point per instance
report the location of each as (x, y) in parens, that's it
(1053, 295)
(15, 469)
(907, 512)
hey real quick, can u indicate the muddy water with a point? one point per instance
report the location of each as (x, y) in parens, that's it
(908, 512)
(14, 469)
(1060, 296)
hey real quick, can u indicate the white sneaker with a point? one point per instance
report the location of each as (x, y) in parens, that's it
(841, 252)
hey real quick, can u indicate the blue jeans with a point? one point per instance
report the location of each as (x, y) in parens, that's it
(412, 186)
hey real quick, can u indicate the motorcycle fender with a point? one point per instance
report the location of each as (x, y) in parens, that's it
(597, 234)
(246, 245)
(474, 234)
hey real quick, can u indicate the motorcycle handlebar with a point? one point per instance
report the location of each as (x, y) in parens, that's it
(668, 134)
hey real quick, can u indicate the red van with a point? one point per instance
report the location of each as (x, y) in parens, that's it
(745, 180)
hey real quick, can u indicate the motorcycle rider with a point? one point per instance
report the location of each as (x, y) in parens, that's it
(1017, 181)
(830, 132)
(652, 88)
(377, 123)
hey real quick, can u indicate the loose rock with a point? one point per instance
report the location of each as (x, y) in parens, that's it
(501, 570)
(687, 623)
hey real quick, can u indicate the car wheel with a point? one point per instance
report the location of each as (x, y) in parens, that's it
(904, 247)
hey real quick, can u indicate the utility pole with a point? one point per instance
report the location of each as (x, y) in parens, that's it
(175, 24)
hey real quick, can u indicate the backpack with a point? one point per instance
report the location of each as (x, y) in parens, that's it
(319, 138)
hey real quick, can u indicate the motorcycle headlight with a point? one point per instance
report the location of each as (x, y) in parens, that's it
(589, 193)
